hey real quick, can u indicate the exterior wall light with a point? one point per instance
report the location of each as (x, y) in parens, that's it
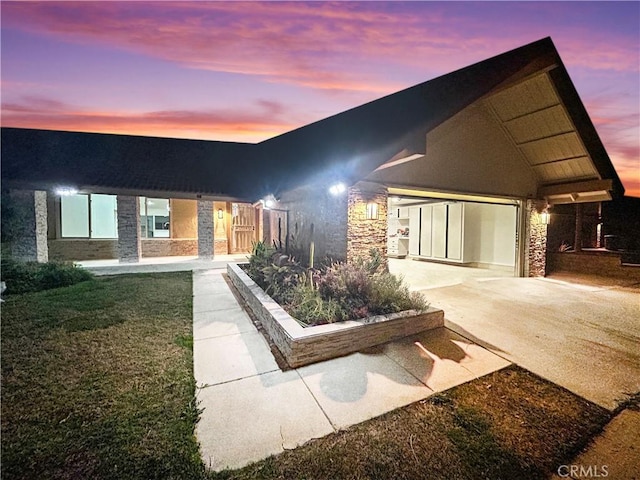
(66, 191)
(545, 218)
(337, 188)
(220, 214)
(372, 211)
(269, 203)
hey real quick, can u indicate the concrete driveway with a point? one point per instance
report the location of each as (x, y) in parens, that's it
(584, 338)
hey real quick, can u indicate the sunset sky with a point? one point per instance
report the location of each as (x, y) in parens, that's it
(249, 71)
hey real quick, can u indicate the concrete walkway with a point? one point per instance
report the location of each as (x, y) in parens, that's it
(252, 409)
(160, 264)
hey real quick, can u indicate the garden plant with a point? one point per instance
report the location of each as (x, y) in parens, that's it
(336, 291)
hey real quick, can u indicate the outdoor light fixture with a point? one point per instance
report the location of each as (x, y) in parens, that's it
(66, 191)
(372, 211)
(220, 213)
(545, 218)
(269, 202)
(337, 188)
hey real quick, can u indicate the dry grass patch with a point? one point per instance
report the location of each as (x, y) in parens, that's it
(510, 424)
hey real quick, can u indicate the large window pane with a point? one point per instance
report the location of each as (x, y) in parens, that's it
(74, 220)
(154, 217)
(104, 216)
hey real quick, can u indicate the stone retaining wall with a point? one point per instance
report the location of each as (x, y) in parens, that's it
(305, 345)
(602, 263)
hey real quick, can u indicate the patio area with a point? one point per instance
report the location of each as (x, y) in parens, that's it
(160, 264)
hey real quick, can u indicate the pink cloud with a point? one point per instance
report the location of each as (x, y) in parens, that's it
(328, 46)
(248, 125)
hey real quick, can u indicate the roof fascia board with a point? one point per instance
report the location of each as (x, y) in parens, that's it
(576, 188)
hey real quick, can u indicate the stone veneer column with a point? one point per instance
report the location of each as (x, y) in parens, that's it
(205, 229)
(363, 234)
(536, 241)
(129, 236)
(30, 238)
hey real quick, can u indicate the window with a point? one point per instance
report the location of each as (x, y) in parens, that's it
(74, 216)
(88, 216)
(154, 217)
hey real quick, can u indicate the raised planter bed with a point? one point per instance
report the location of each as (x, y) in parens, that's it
(304, 345)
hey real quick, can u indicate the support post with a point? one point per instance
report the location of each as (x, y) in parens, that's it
(205, 229)
(29, 242)
(578, 236)
(129, 235)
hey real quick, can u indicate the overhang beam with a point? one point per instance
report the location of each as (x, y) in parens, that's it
(577, 192)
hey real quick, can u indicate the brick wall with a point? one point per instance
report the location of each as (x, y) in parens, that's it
(169, 247)
(535, 241)
(365, 234)
(129, 241)
(315, 214)
(105, 249)
(83, 249)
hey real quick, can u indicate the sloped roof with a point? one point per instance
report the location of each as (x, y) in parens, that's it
(122, 163)
(347, 146)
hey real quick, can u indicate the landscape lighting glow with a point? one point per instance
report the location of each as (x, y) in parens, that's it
(337, 188)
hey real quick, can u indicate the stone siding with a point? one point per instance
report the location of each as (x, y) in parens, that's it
(365, 234)
(305, 345)
(315, 214)
(205, 229)
(535, 241)
(129, 236)
(30, 242)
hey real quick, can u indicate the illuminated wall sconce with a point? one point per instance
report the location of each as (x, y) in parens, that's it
(66, 191)
(337, 188)
(220, 214)
(545, 218)
(372, 211)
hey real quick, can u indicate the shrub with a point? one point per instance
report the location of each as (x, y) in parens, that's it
(282, 278)
(261, 257)
(389, 294)
(341, 291)
(348, 284)
(308, 307)
(23, 277)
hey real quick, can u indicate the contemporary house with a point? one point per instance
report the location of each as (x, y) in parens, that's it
(461, 169)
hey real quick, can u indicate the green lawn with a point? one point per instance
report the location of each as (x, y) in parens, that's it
(98, 383)
(98, 380)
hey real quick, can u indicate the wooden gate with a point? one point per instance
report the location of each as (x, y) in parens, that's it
(243, 227)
